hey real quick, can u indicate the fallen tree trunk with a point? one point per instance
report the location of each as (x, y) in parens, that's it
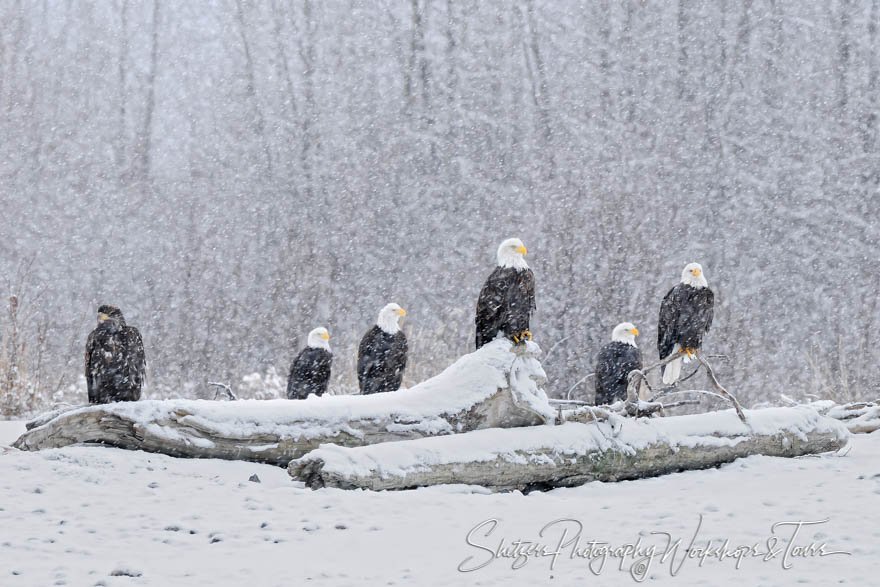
(497, 386)
(858, 417)
(47, 417)
(573, 453)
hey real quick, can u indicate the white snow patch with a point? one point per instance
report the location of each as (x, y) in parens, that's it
(526, 372)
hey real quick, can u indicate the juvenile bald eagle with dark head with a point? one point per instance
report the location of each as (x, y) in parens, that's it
(615, 361)
(310, 371)
(115, 362)
(507, 299)
(685, 317)
(382, 353)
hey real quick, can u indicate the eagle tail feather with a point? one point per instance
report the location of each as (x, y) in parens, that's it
(672, 371)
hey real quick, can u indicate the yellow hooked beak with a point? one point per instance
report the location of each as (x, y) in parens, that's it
(696, 272)
(102, 316)
(326, 336)
(522, 250)
(635, 331)
(402, 312)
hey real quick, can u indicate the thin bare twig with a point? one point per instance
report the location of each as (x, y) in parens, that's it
(670, 391)
(697, 370)
(719, 387)
(568, 393)
(637, 376)
(558, 342)
(660, 363)
(684, 402)
(688, 376)
(666, 390)
(572, 402)
(225, 388)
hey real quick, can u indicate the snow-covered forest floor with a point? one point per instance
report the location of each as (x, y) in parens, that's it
(102, 516)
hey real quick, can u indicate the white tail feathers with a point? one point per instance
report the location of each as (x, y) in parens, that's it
(672, 371)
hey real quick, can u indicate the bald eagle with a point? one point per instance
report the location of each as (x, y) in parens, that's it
(382, 353)
(615, 361)
(310, 370)
(115, 362)
(685, 316)
(507, 298)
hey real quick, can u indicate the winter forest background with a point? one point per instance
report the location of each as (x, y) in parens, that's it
(234, 173)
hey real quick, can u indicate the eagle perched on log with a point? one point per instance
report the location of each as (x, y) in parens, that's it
(115, 361)
(310, 371)
(507, 299)
(685, 317)
(615, 361)
(382, 353)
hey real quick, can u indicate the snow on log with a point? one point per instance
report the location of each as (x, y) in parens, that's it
(573, 453)
(858, 417)
(497, 386)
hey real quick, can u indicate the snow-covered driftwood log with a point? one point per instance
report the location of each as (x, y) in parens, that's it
(858, 417)
(573, 453)
(497, 386)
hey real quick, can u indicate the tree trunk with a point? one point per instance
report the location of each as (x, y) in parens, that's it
(574, 453)
(251, 87)
(145, 136)
(497, 386)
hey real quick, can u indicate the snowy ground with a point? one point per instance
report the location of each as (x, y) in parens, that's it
(100, 516)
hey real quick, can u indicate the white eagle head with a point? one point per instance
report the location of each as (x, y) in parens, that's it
(319, 338)
(693, 275)
(389, 317)
(625, 332)
(511, 253)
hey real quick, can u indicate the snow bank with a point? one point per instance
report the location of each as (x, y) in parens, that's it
(718, 434)
(498, 385)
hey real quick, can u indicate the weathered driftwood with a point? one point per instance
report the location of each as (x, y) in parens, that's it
(573, 453)
(49, 416)
(727, 395)
(637, 377)
(612, 412)
(858, 417)
(495, 387)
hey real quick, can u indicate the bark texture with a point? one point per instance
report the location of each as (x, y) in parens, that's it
(608, 457)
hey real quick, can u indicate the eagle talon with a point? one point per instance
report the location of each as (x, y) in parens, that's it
(521, 337)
